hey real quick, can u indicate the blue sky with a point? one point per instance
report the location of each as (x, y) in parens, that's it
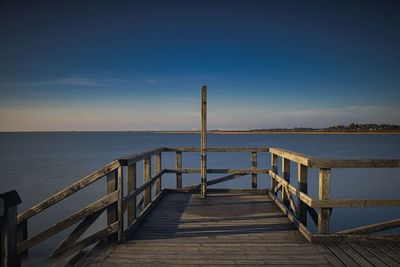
(139, 65)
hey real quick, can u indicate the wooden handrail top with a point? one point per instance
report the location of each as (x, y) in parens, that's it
(78, 185)
(218, 149)
(130, 159)
(315, 162)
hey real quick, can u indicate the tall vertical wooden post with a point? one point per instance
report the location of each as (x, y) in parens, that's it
(254, 167)
(146, 177)
(119, 205)
(203, 141)
(158, 170)
(274, 167)
(286, 176)
(112, 210)
(302, 173)
(324, 194)
(178, 165)
(131, 182)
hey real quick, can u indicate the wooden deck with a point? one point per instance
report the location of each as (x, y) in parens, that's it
(231, 229)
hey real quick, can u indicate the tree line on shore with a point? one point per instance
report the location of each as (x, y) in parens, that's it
(352, 127)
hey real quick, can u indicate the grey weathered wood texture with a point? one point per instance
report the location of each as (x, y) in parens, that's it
(203, 144)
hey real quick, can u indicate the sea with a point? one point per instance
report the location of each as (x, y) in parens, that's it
(40, 164)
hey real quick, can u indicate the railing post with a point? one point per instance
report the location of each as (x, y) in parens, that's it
(158, 170)
(286, 176)
(22, 235)
(146, 177)
(131, 186)
(203, 145)
(112, 210)
(302, 173)
(274, 168)
(324, 194)
(8, 229)
(178, 167)
(254, 167)
(120, 204)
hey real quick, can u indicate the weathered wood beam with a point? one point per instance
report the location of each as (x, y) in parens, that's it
(219, 149)
(324, 193)
(218, 180)
(203, 144)
(78, 185)
(274, 169)
(302, 177)
(377, 227)
(303, 197)
(286, 177)
(120, 204)
(131, 186)
(109, 230)
(130, 159)
(301, 227)
(146, 177)
(77, 232)
(77, 216)
(355, 203)
(143, 215)
(254, 167)
(355, 238)
(232, 171)
(178, 166)
(158, 169)
(143, 187)
(112, 210)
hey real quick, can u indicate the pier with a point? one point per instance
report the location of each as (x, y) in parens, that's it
(151, 224)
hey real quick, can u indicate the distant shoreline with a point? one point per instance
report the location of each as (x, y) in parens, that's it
(279, 132)
(225, 132)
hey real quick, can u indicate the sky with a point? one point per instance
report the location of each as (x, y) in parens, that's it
(139, 65)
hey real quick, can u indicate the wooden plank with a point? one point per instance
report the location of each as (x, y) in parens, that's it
(77, 216)
(380, 254)
(302, 229)
(134, 158)
(286, 177)
(303, 197)
(331, 257)
(131, 186)
(324, 193)
(143, 215)
(109, 230)
(254, 166)
(354, 203)
(232, 171)
(220, 149)
(359, 259)
(274, 169)
(112, 210)
(158, 169)
(223, 190)
(302, 177)
(357, 163)
(77, 232)
(178, 166)
(146, 177)
(218, 180)
(78, 185)
(370, 257)
(22, 235)
(377, 227)
(355, 238)
(120, 214)
(340, 254)
(143, 187)
(290, 155)
(203, 144)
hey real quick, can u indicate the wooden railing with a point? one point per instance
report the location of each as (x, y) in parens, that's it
(320, 209)
(139, 201)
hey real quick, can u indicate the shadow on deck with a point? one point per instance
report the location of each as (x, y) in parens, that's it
(231, 229)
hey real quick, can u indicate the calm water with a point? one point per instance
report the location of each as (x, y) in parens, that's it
(40, 164)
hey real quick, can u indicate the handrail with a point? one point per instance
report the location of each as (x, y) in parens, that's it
(115, 203)
(75, 187)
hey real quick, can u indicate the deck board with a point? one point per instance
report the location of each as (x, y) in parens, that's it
(231, 229)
